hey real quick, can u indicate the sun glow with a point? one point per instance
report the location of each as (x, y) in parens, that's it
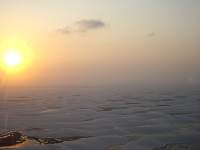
(13, 58)
(16, 56)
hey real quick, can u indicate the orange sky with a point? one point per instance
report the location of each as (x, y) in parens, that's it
(103, 42)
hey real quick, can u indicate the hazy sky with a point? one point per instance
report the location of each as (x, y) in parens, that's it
(103, 42)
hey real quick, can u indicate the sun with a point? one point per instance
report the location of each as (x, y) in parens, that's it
(17, 56)
(13, 58)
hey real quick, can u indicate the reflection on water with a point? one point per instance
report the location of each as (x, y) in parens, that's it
(110, 119)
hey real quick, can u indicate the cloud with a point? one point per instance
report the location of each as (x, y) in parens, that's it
(152, 34)
(65, 30)
(83, 26)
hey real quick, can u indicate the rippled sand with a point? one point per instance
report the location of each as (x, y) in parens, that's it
(107, 119)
